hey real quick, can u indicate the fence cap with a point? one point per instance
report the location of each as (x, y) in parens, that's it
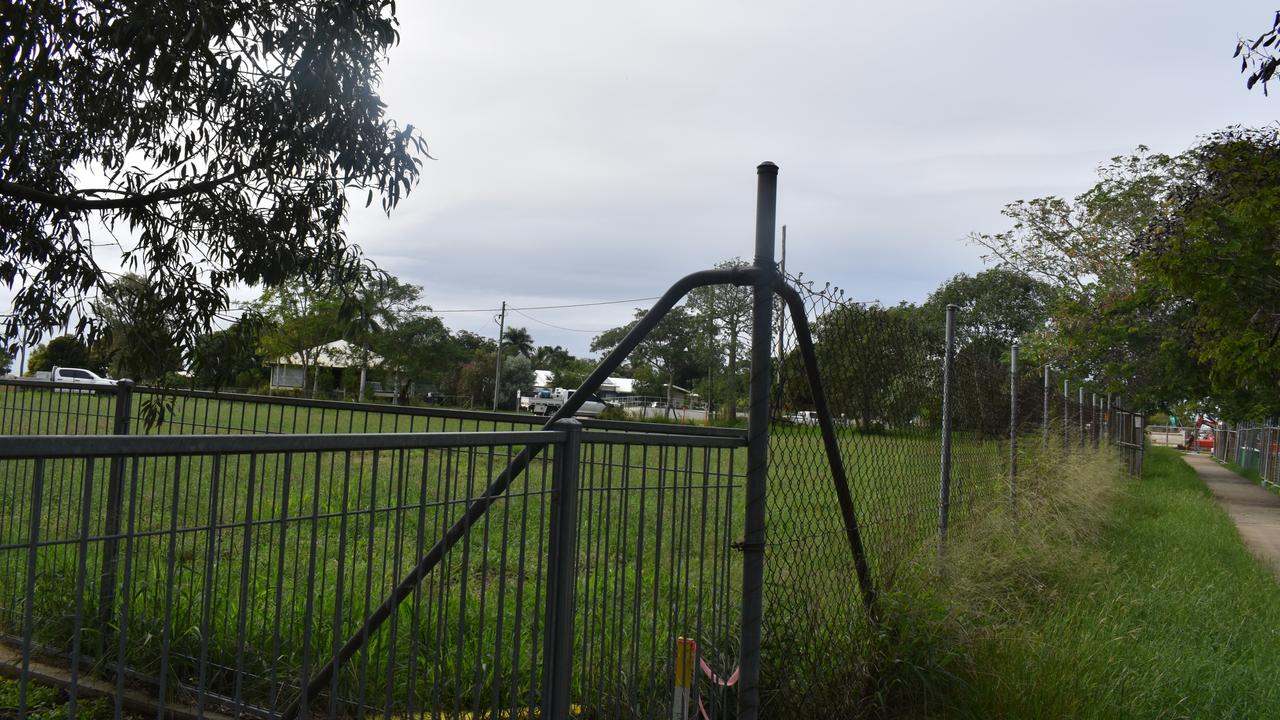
(766, 168)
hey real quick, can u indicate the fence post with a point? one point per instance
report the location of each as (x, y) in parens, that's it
(557, 669)
(1106, 421)
(1141, 439)
(1013, 425)
(1066, 414)
(1080, 411)
(757, 444)
(115, 499)
(1044, 417)
(944, 487)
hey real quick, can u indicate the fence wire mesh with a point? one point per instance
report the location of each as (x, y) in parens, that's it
(882, 369)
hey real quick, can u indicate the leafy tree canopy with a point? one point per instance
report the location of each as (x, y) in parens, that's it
(214, 143)
(62, 351)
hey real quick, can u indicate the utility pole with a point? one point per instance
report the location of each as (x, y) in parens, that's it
(497, 371)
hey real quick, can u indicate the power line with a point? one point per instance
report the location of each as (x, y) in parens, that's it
(557, 327)
(546, 307)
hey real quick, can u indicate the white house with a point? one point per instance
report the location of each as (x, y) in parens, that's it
(334, 357)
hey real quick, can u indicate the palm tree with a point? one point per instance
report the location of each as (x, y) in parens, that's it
(520, 339)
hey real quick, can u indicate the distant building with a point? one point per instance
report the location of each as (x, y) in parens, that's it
(612, 388)
(334, 358)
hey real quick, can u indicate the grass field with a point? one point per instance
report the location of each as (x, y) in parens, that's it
(1107, 597)
(324, 536)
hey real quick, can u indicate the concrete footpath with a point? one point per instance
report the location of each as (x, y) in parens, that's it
(1255, 509)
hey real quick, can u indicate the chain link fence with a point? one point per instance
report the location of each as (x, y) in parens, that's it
(925, 443)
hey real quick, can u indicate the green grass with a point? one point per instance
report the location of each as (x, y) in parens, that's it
(1107, 597)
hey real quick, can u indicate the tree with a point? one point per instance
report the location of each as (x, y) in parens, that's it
(1106, 320)
(726, 310)
(520, 340)
(998, 303)
(672, 353)
(1217, 249)
(1259, 57)
(230, 357)
(376, 308)
(223, 138)
(517, 377)
(138, 326)
(417, 349)
(879, 365)
(296, 323)
(62, 351)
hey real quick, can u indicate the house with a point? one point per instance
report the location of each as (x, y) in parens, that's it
(332, 358)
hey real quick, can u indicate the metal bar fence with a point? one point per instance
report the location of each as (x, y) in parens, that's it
(245, 561)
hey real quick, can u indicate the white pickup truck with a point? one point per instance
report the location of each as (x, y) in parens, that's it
(546, 402)
(77, 376)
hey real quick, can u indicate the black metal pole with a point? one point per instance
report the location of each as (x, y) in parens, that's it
(944, 487)
(1044, 418)
(1066, 414)
(562, 573)
(115, 501)
(1013, 425)
(804, 339)
(757, 444)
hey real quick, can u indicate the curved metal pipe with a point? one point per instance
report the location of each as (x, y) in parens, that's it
(804, 339)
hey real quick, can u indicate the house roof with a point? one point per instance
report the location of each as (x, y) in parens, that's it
(337, 354)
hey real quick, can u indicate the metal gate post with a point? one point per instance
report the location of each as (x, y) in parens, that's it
(757, 443)
(1013, 426)
(115, 499)
(557, 643)
(944, 487)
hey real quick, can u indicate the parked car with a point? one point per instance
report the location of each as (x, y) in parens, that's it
(79, 376)
(546, 402)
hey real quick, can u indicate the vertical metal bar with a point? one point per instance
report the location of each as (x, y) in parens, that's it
(944, 487)
(561, 574)
(1066, 414)
(115, 490)
(757, 444)
(1141, 439)
(33, 568)
(1080, 412)
(1013, 425)
(1044, 416)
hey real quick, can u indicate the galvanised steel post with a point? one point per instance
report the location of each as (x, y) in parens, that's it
(115, 501)
(1106, 420)
(757, 444)
(1097, 427)
(557, 669)
(1066, 414)
(1080, 410)
(1266, 454)
(1141, 431)
(1044, 414)
(1013, 425)
(944, 487)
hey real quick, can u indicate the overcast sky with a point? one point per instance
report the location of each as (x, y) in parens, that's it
(589, 152)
